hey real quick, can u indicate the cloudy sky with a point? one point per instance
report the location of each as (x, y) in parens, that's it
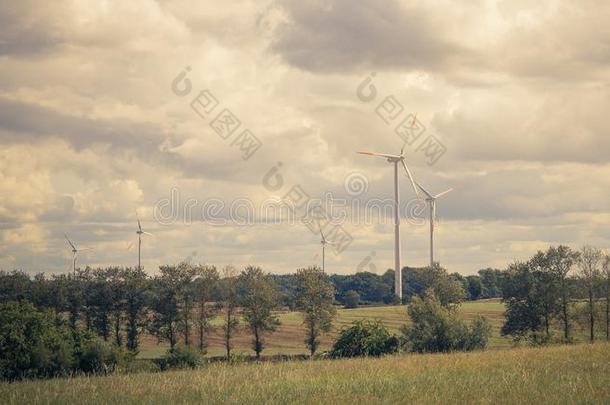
(96, 123)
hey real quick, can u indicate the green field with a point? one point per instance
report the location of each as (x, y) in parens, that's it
(566, 374)
(289, 337)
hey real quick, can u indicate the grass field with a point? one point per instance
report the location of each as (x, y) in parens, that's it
(568, 374)
(289, 337)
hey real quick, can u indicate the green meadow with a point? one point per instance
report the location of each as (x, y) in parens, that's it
(567, 374)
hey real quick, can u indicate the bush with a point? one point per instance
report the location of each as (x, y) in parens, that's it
(436, 328)
(364, 338)
(31, 344)
(181, 357)
(99, 357)
(352, 299)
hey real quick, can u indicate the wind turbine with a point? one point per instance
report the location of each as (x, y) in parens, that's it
(324, 242)
(431, 200)
(140, 232)
(396, 160)
(75, 251)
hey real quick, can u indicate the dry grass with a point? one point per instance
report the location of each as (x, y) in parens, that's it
(289, 337)
(558, 374)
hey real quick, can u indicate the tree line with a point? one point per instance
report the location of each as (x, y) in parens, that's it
(558, 286)
(177, 304)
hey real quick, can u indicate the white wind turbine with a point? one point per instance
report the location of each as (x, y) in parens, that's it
(140, 232)
(75, 251)
(396, 160)
(324, 242)
(431, 200)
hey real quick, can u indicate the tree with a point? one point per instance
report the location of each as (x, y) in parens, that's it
(606, 284)
(100, 297)
(491, 280)
(259, 297)
(166, 317)
(447, 288)
(206, 280)
(116, 285)
(560, 260)
(229, 305)
(436, 328)
(352, 299)
(186, 291)
(14, 286)
(31, 344)
(547, 288)
(364, 338)
(588, 263)
(136, 298)
(524, 311)
(315, 296)
(475, 287)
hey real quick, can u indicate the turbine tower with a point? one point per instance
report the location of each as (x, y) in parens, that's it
(324, 242)
(397, 160)
(140, 232)
(431, 200)
(75, 251)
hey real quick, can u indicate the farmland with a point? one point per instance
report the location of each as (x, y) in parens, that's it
(289, 337)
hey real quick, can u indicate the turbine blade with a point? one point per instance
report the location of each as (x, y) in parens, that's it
(410, 178)
(385, 155)
(86, 248)
(138, 218)
(69, 241)
(403, 148)
(320, 228)
(147, 233)
(443, 193)
(424, 190)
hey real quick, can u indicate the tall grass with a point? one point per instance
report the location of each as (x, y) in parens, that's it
(558, 374)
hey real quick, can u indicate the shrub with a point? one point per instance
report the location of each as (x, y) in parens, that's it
(181, 357)
(436, 328)
(364, 338)
(31, 344)
(98, 357)
(352, 299)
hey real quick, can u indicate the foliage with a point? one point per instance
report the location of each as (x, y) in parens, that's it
(314, 297)
(259, 298)
(33, 344)
(352, 299)
(229, 304)
(474, 288)
(181, 357)
(589, 261)
(99, 357)
(448, 290)
(204, 286)
(436, 328)
(364, 338)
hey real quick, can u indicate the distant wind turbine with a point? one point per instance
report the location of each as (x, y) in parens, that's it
(324, 242)
(396, 160)
(75, 251)
(140, 232)
(431, 200)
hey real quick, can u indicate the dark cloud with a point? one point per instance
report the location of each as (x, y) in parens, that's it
(27, 27)
(26, 120)
(340, 35)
